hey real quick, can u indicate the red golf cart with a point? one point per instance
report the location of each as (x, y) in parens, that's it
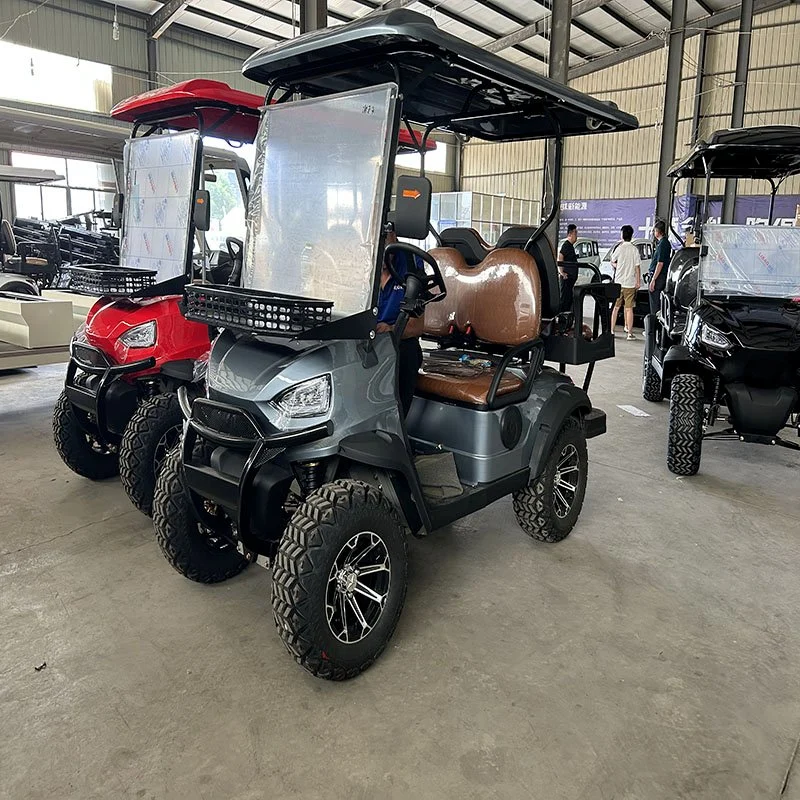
(118, 412)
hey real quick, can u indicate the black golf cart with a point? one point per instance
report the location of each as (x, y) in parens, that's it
(298, 457)
(727, 340)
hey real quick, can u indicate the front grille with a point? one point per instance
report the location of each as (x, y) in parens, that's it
(89, 356)
(255, 311)
(100, 280)
(227, 420)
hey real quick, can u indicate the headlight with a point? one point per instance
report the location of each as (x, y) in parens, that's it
(307, 399)
(714, 338)
(141, 336)
(80, 333)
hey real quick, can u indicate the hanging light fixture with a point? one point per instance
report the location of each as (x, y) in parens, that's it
(115, 26)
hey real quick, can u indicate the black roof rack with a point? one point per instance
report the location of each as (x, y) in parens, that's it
(445, 81)
(769, 152)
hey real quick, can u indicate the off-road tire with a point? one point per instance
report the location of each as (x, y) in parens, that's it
(535, 507)
(651, 383)
(184, 543)
(314, 537)
(685, 436)
(155, 418)
(74, 447)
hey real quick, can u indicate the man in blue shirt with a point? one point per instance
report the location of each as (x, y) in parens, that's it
(409, 352)
(659, 266)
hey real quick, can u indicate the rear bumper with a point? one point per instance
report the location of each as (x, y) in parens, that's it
(594, 423)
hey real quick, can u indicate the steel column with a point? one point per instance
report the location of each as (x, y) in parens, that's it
(739, 97)
(560, 20)
(672, 93)
(313, 15)
(152, 63)
(699, 83)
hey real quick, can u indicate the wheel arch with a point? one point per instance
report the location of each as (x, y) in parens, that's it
(679, 360)
(567, 401)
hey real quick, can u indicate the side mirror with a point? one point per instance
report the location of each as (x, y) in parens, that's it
(116, 210)
(412, 207)
(201, 216)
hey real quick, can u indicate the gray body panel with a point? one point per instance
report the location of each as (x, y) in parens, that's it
(474, 437)
(249, 373)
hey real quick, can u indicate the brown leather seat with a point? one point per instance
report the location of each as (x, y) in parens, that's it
(499, 301)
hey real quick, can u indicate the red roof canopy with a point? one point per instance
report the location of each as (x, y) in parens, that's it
(210, 106)
(213, 108)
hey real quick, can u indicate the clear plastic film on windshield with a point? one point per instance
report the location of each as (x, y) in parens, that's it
(314, 218)
(160, 176)
(751, 260)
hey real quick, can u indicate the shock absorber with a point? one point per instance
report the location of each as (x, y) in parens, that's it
(310, 475)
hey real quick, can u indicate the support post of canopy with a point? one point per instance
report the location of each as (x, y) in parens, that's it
(558, 71)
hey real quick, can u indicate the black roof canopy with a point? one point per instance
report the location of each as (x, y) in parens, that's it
(768, 152)
(444, 80)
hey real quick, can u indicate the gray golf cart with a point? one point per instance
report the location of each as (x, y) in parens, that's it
(298, 458)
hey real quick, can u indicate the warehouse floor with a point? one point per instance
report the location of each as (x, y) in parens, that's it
(653, 654)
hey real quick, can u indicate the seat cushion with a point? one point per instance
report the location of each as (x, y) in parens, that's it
(461, 382)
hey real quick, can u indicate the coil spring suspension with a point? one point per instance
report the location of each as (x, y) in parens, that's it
(310, 476)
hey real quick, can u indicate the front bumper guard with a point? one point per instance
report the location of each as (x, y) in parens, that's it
(92, 399)
(232, 492)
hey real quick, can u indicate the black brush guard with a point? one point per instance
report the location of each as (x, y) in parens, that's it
(93, 397)
(256, 449)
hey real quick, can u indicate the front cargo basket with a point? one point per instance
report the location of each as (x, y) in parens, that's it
(254, 311)
(103, 280)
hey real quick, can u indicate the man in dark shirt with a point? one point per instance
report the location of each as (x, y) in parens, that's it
(567, 268)
(659, 266)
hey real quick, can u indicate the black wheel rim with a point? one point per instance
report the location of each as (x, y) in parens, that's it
(168, 440)
(565, 481)
(358, 586)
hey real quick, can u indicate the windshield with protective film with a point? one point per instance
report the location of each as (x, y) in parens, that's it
(314, 220)
(751, 260)
(160, 178)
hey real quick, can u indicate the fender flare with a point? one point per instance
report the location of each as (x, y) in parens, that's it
(386, 453)
(566, 401)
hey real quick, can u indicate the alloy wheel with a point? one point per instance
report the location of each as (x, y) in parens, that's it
(358, 585)
(565, 482)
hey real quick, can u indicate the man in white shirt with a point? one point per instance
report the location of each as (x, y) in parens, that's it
(628, 274)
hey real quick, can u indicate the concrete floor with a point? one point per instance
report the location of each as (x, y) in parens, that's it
(653, 654)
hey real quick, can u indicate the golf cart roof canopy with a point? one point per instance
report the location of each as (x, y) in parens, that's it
(445, 81)
(211, 107)
(768, 152)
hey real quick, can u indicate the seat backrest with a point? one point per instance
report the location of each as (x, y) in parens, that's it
(8, 242)
(541, 249)
(499, 299)
(468, 242)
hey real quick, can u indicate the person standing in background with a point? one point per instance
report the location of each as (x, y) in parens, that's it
(567, 268)
(659, 266)
(627, 273)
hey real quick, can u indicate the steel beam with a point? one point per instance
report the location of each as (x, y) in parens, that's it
(164, 17)
(558, 70)
(672, 93)
(540, 26)
(739, 97)
(695, 26)
(313, 15)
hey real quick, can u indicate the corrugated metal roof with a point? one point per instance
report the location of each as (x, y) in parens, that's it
(594, 33)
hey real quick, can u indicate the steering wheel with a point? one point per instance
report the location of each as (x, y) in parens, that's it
(429, 282)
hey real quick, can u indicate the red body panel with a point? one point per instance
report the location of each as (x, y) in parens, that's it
(176, 337)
